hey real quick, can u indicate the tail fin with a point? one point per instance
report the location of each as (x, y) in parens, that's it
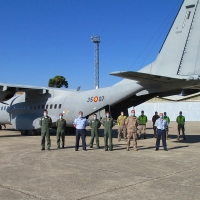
(180, 53)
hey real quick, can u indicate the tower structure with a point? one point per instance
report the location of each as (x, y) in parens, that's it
(96, 41)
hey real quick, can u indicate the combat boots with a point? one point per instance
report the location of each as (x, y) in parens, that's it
(127, 148)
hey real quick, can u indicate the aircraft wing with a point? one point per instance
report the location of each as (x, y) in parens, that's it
(145, 78)
(8, 90)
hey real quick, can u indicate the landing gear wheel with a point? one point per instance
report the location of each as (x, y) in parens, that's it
(70, 130)
(32, 132)
(24, 132)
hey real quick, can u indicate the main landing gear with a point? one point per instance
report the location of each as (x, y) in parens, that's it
(28, 132)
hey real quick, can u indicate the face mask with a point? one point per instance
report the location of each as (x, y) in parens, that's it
(180, 114)
(122, 114)
(156, 113)
(133, 114)
(142, 113)
(95, 117)
(61, 117)
(45, 114)
(80, 116)
(107, 115)
(161, 116)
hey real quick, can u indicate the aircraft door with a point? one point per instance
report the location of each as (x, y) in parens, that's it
(11, 108)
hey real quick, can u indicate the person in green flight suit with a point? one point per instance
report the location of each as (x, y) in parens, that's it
(61, 126)
(142, 126)
(94, 124)
(45, 123)
(108, 124)
(181, 125)
(168, 121)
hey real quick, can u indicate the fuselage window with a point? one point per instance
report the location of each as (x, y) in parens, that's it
(42, 106)
(60, 106)
(47, 106)
(55, 106)
(4, 107)
(51, 106)
(31, 107)
(1, 107)
(35, 107)
(38, 106)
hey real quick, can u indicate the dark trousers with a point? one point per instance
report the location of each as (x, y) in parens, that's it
(181, 127)
(160, 133)
(80, 133)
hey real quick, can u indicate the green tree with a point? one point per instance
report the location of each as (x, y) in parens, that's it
(58, 82)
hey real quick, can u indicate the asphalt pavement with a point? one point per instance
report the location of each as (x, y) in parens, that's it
(26, 172)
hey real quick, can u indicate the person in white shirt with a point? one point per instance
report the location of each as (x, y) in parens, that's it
(161, 126)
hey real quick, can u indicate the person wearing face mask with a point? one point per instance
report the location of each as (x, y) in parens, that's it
(181, 125)
(45, 123)
(154, 118)
(161, 125)
(142, 120)
(132, 123)
(121, 126)
(80, 124)
(61, 126)
(94, 124)
(108, 124)
(168, 121)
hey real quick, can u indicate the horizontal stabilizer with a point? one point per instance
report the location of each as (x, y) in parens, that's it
(145, 78)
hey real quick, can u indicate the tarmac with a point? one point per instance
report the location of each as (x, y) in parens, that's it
(26, 172)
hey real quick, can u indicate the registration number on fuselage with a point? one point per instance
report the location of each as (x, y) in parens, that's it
(95, 99)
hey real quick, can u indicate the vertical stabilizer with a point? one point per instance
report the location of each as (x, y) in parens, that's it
(180, 53)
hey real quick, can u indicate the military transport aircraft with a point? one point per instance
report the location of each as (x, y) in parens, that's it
(176, 67)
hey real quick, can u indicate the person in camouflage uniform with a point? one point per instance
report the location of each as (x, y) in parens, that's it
(132, 122)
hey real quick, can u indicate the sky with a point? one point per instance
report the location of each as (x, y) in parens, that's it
(40, 39)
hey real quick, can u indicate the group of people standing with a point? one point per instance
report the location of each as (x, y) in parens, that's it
(160, 126)
(131, 127)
